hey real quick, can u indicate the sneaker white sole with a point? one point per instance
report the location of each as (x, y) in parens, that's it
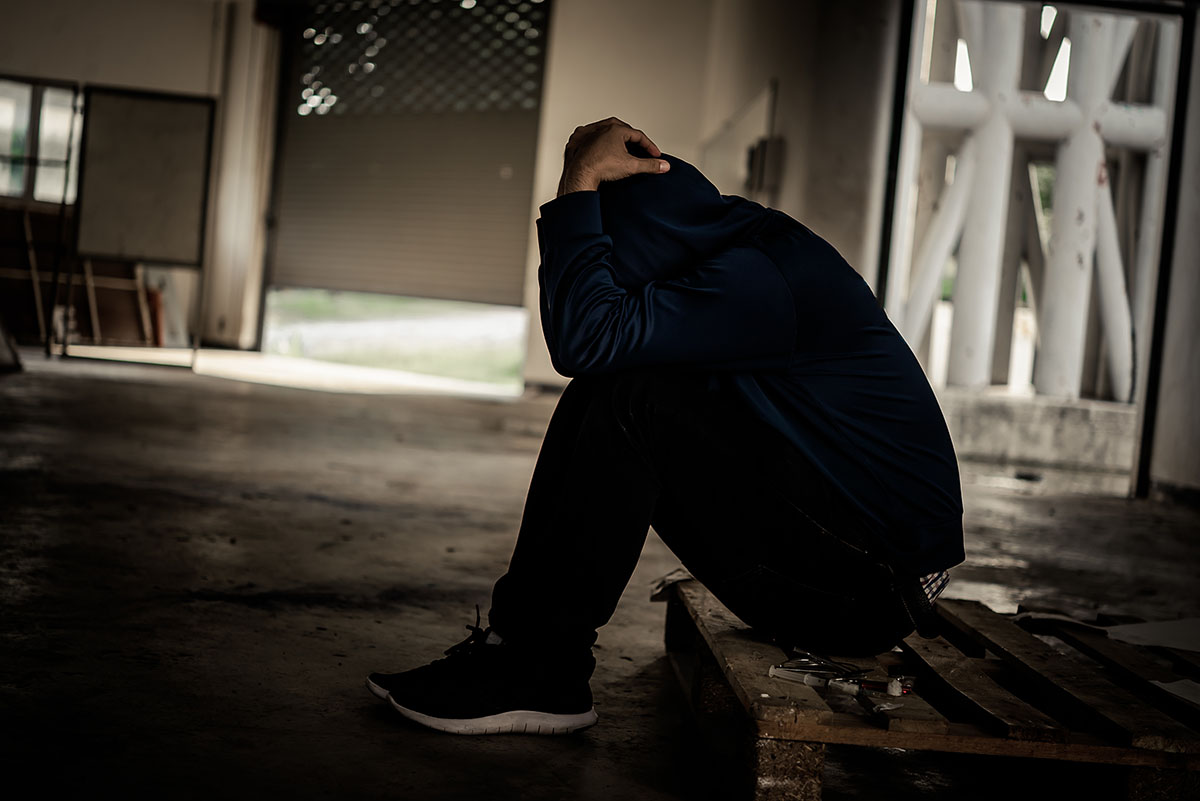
(376, 690)
(519, 721)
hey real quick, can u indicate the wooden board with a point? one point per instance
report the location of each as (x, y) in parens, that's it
(998, 709)
(1186, 662)
(700, 629)
(745, 661)
(967, 739)
(906, 713)
(1134, 669)
(1116, 712)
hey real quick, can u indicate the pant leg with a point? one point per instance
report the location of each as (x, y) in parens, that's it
(766, 532)
(722, 489)
(586, 517)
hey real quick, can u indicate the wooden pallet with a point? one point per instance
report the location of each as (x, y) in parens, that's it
(987, 686)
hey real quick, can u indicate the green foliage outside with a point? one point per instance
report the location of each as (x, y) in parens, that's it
(494, 365)
(292, 328)
(1044, 174)
(321, 305)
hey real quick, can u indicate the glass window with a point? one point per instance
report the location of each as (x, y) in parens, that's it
(61, 123)
(15, 101)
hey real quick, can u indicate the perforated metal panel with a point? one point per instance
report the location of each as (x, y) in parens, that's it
(407, 159)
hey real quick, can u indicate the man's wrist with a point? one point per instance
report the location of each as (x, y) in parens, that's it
(575, 181)
(569, 216)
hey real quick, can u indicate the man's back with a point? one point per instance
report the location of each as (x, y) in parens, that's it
(663, 271)
(856, 402)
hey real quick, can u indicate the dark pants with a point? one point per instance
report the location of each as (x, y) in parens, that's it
(736, 502)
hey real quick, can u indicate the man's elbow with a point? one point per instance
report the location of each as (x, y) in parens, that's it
(568, 366)
(574, 361)
(565, 369)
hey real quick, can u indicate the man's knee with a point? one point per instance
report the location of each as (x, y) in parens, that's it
(648, 389)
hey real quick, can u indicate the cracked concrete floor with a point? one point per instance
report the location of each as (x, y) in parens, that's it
(196, 574)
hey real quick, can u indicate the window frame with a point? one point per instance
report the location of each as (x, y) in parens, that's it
(32, 158)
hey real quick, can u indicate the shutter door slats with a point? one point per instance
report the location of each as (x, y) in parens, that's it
(432, 205)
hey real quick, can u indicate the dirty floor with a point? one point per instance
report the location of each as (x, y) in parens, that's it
(196, 574)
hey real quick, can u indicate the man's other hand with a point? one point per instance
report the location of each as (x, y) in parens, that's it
(597, 153)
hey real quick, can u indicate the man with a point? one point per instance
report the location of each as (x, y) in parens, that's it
(736, 386)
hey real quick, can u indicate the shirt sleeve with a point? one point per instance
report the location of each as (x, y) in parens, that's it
(733, 311)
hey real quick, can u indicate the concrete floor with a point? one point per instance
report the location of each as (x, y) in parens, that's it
(196, 575)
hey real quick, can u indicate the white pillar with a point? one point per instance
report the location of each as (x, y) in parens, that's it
(1149, 238)
(936, 246)
(1080, 168)
(1035, 253)
(940, 105)
(1114, 300)
(1010, 270)
(977, 286)
(903, 213)
(242, 160)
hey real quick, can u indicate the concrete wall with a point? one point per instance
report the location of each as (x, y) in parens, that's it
(1094, 441)
(750, 43)
(640, 60)
(1175, 458)
(849, 124)
(835, 65)
(167, 45)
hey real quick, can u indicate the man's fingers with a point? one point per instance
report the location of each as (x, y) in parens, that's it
(630, 133)
(637, 137)
(605, 123)
(636, 165)
(600, 149)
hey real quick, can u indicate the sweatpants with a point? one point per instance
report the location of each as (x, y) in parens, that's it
(744, 511)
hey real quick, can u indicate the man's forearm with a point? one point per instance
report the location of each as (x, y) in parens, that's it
(576, 181)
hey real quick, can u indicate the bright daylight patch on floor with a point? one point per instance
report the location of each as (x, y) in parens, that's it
(365, 343)
(432, 342)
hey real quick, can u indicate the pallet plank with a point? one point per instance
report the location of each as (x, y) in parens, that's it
(689, 638)
(1128, 664)
(906, 713)
(967, 739)
(744, 662)
(1121, 715)
(1186, 662)
(1000, 710)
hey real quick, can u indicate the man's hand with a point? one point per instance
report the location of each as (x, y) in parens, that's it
(596, 153)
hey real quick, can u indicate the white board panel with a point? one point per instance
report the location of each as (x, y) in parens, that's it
(144, 176)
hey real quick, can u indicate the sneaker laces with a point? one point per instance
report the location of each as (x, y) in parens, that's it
(476, 639)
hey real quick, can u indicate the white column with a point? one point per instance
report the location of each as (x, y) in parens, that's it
(1010, 270)
(242, 161)
(1080, 167)
(901, 246)
(940, 105)
(1035, 253)
(1114, 300)
(977, 286)
(1149, 238)
(936, 246)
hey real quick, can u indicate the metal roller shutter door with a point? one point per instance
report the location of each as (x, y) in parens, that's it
(417, 180)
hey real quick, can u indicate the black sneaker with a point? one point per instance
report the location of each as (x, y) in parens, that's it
(486, 686)
(380, 683)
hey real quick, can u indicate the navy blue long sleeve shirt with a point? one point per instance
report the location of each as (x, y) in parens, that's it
(662, 270)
